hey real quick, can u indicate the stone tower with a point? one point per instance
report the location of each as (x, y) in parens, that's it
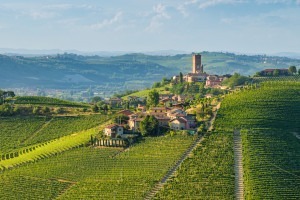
(197, 65)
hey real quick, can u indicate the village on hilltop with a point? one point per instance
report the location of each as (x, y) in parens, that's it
(171, 113)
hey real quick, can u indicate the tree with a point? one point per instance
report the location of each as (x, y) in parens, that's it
(6, 110)
(299, 71)
(153, 98)
(156, 85)
(293, 69)
(276, 72)
(95, 108)
(149, 126)
(180, 77)
(45, 110)
(5, 94)
(236, 80)
(96, 99)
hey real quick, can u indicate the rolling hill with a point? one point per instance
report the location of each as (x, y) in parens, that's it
(123, 72)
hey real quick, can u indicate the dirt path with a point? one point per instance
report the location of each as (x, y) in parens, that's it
(187, 153)
(173, 169)
(211, 121)
(39, 130)
(238, 165)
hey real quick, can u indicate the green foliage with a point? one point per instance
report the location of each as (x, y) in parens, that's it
(180, 77)
(268, 117)
(293, 69)
(17, 132)
(276, 72)
(96, 99)
(153, 98)
(207, 174)
(96, 173)
(47, 101)
(178, 88)
(236, 80)
(6, 110)
(149, 126)
(95, 108)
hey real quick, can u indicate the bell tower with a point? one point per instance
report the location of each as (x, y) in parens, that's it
(197, 65)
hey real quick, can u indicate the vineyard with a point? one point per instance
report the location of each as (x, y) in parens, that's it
(47, 101)
(267, 116)
(14, 131)
(62, 126)
(88, 173)
(21, 132)
(269, 119)
(208, 174)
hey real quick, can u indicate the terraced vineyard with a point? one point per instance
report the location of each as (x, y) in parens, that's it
(87, 173)
(47, 101)
(208, 174)
(13, 131)
(269, 120)
(269, 117)
(20, 132)
(62, 126)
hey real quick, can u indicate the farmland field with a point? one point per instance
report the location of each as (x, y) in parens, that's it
(89, 173)
(24, 131)
(266, 116)
(270, 121)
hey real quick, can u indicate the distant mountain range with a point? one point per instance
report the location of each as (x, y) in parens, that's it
(40, 52)
(129, 71)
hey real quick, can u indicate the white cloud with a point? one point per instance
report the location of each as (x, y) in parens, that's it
(107, 22)
(42, 14)
(160, 14)
(57, 7)
(160, 11)
(210, 3)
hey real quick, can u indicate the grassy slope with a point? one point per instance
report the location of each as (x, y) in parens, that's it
(144, 93)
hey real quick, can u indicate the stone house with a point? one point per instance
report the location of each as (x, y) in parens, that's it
(113, 130)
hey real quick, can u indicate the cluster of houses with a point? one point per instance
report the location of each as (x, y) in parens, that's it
(198, 75)
(168, 117)
(270, 72)
(172, 116)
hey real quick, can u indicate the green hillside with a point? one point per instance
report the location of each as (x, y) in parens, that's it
(118, 73)
(45, 157)
(268, 119)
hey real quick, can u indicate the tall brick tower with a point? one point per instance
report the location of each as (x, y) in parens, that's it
(197, 65)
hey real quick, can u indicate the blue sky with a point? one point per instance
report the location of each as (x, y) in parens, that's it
(243, 26)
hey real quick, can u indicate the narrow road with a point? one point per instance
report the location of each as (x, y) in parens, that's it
(39, 130)
(211, 121)
(188, 152)
(173, 169)
(238, 165)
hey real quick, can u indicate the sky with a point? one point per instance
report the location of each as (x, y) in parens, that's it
(240, 26)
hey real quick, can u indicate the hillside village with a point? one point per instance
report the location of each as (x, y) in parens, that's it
(170, 113)
(171, 110)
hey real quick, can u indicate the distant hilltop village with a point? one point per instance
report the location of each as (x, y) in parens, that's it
(198, 75)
